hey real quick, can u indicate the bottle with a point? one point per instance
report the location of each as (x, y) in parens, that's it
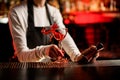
(3, 8)
(90, 53)
(67, 6)
(111, 5)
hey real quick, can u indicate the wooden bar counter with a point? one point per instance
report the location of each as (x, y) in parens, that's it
(100, 70)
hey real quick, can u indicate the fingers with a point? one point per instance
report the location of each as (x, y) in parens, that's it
(54, 52)
(97, 55)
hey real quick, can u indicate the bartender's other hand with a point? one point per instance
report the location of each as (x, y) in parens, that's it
(53, 51)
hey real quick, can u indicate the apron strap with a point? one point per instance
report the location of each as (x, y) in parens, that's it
(30, 13)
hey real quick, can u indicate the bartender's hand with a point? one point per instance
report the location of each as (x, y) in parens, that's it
(53, 51)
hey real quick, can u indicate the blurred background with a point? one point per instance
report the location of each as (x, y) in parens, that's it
(88, 21)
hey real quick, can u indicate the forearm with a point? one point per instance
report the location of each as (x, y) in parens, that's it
(70, 47)
(30, 55)
(33, 55)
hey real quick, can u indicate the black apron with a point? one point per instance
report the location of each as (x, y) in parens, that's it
(34, 35)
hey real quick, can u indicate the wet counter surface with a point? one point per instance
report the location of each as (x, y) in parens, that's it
(100, 70)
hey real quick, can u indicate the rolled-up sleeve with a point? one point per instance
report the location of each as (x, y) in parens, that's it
(18, 32)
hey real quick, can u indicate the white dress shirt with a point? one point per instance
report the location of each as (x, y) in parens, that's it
(18, 26)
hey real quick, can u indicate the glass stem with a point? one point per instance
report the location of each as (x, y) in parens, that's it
(60, 45)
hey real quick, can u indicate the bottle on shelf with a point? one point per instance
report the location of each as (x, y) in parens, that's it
(3, 7)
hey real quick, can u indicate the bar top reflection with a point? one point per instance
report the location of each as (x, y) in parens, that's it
(100, 70)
